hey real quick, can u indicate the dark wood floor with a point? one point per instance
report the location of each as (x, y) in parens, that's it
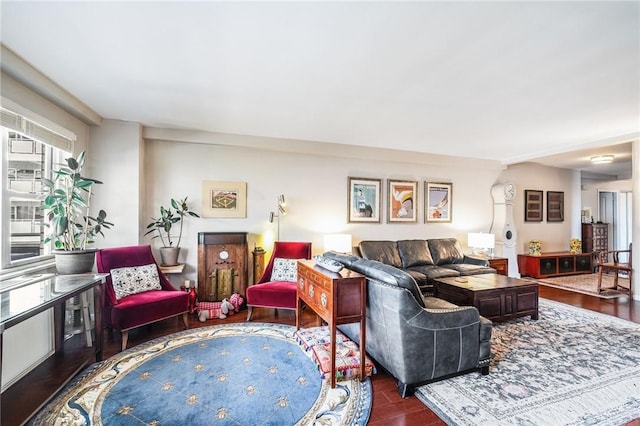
(22, 399)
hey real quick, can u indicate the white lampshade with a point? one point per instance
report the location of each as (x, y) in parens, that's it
(481, 240)
(340, 243)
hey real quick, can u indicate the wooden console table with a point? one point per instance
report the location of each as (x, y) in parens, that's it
(337, 298)
(554, 264)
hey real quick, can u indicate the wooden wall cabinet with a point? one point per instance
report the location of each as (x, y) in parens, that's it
(222, 265)
(595, 237)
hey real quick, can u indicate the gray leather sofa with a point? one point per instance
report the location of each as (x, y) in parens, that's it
(425, 260)
(417, 339)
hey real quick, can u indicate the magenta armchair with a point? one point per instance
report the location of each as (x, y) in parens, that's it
(279, 294)
(124, 312)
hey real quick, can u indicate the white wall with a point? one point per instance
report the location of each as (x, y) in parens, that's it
(115, 157)
(316, 190)
(554, 236)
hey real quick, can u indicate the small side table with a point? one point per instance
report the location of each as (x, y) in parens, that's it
(258, 263)
(500, 264)
(337, 298)
(175, 269)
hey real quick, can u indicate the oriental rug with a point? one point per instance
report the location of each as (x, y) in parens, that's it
(570, 367)
(587, 284)
(230, 374)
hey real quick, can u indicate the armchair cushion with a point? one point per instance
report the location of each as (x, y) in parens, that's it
(280, 294)
(285, 270)
(135, 279)
(144, 308)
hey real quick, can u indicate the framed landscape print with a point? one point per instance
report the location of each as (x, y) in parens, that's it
(438, 198)
(533, 205)
(403, 201)
(555, 206)
(364, 200)
(224, 199)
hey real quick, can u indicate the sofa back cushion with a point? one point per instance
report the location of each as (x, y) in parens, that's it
(446, 251)
(389, 275)
(414, 253)
(382, 251)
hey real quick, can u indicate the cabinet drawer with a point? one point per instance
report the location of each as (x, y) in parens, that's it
(548, 266)
(583, 263)
(565, 264)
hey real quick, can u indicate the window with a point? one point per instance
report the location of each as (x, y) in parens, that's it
(30, 154)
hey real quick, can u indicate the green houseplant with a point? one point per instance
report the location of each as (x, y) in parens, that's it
(162, 226)
(66, 208)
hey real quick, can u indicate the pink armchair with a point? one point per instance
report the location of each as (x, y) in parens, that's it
(144, 307)
(277, 294)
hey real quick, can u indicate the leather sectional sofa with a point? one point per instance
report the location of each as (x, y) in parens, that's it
(417, 339)
(425, 260)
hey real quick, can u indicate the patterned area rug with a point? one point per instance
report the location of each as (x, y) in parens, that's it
(587, 284)
(570, 367)
(232, 374)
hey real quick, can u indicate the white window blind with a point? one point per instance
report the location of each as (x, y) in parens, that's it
(35, 131)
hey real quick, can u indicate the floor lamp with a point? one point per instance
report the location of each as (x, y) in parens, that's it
(282, 211)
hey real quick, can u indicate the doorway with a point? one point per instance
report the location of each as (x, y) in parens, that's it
(615, 208)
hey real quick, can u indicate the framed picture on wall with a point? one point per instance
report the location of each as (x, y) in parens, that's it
(363, 200)
(403, 201)
(224, 199)
(438, 204)
(533, 202)
(555, 206)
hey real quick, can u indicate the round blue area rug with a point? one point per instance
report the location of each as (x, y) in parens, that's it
(234, 374)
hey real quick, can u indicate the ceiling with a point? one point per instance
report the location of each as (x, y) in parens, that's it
(507, 81)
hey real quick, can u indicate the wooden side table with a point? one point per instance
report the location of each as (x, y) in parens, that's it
(500, 264)
(337, 298)
(258, 263)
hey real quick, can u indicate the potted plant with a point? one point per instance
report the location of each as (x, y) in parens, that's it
(162, 226)
(67, 209)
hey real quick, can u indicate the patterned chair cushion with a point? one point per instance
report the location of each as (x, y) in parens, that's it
(134, 280)
(285, 270)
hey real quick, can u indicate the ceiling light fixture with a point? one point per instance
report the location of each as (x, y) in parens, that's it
(602, 159)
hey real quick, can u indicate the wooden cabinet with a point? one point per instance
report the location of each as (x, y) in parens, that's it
(500, 264)
(222, 265)
(554, 264)
(337, 298)
(595, 237)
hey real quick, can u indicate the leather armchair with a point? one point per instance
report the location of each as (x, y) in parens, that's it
(416, 339)
(138, 309)
(277, 294)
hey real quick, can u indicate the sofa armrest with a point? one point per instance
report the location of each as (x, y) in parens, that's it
(475, 261)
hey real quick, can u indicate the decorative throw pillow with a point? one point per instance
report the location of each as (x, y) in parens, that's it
(285, 270)
(134, 280)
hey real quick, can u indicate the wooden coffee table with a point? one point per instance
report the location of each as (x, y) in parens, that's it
(497, 297)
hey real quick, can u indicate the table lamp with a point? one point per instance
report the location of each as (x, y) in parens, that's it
(481, 244)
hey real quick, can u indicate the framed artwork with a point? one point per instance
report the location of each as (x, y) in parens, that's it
(224, 199)
(403, 201)
(438, 207)
(555, 206)
(364, 200)
(533, 202)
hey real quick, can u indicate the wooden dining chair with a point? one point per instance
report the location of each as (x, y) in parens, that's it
(608, 262)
